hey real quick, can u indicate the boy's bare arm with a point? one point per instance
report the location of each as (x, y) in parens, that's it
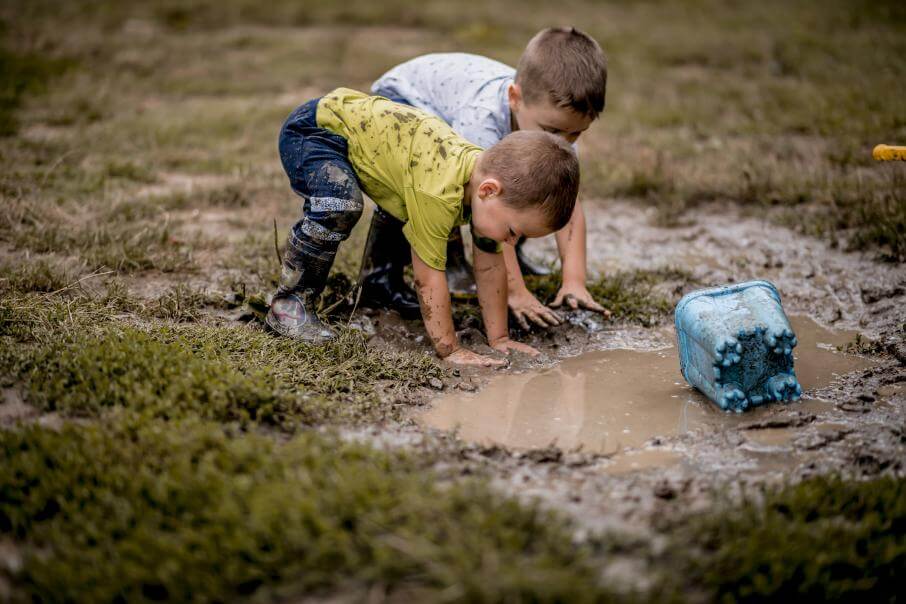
(491, 278)
(524, 305)
(571, 245)
(434, 298)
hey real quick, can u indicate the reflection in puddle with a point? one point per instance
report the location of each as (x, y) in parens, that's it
(615, 400)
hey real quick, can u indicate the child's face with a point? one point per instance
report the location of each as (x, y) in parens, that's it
(493, 219)
(542, 114)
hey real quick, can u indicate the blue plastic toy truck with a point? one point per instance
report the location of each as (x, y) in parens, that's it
(736, 345)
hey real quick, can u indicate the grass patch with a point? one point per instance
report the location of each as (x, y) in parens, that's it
(825, 539)
(131, 370)
(85, 367)
(36, 275)
(630, 296)
(869, 217)
(114, 238)
(136, 511)
(22, 73)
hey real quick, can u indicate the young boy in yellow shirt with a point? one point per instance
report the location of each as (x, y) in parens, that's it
(429, 180)
(558, 86)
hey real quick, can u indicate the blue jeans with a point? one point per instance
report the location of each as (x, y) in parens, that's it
(317, 164)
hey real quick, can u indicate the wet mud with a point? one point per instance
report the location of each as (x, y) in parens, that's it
(615, 401)
(555, 429)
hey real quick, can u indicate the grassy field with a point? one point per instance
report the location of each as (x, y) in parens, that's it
(139, 194)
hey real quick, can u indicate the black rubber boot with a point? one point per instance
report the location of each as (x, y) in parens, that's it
(383, 261)
(293, 316)
(460, 279)
(527, 266)
(302, 279)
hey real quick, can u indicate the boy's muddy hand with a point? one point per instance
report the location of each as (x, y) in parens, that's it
(578, 296)
(506, 345)
(525, 307)
(464, 356)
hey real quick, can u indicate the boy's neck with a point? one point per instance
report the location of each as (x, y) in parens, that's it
(467, 191)
(469, 187)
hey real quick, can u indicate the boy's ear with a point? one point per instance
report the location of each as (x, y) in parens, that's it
(514, 96)
(489, 187)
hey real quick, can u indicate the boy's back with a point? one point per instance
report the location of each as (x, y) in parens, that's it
(409, 162)
(469, 92)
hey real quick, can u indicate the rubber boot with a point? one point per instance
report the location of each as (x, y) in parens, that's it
(460, 279)
(293, 311)
(526, 265)
(385, 257)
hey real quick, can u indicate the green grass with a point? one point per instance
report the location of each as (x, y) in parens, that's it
(38, 275)
(631, 296)
(140, 510)
(70, 361)
(114, 237)
(22, 73)
(823, 540)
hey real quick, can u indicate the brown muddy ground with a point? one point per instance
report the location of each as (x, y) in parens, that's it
(161, 118)
(852, 419)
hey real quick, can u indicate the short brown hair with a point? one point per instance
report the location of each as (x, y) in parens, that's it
(568, 66)
(536, 170)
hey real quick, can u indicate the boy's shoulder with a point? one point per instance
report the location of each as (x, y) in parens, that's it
(450, 63)
(467, 91)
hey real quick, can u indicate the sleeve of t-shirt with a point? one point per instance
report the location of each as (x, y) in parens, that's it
(431, 219)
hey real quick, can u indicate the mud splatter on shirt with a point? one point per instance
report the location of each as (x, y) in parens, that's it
(416, 173)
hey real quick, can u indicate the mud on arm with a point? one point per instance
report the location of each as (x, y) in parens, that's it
(491, 278)
(434, 298)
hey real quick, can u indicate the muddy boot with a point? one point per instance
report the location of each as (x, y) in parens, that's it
(460, 280)
(293, 310)
(383, 261)
(527, 266)
(294, 316)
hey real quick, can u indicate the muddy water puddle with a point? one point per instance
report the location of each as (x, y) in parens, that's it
(620, 401)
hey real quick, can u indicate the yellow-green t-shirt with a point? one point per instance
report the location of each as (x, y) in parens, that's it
(408, 161)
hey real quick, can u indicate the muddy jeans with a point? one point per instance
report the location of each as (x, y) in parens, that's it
(317, 164)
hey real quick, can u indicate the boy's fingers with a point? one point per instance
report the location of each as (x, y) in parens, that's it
(520, 318)
(539, 318)
(592, 305)
(551, 317)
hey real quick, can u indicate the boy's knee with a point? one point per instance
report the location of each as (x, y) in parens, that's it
(337, 214)
(347, 219)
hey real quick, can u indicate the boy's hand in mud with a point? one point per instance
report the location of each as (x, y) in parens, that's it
(506, 346)
(464, 356)
(526, 307)
(576, 296)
